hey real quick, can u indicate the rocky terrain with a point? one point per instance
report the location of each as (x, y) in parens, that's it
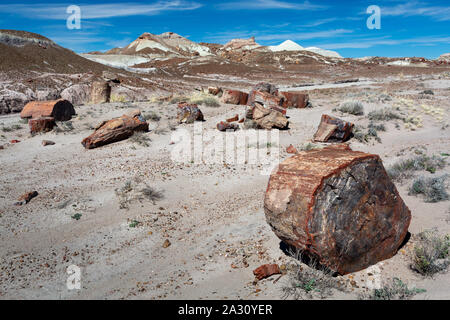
(144, 223)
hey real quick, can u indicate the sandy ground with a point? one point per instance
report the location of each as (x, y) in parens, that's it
(212, 214)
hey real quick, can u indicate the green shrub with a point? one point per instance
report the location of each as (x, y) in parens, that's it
(405, 168)
(383, 115)
(352, 107)
(433, 189)
(431, 254)
(397, 290)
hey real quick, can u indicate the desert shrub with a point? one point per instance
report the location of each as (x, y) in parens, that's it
(431, 254)
(307, 282)
(352, 107)
(364, 135)
(309, 146)
(134, 224)
(141, 139)
(152, 115)
(135, 190)
(405, 168)
(64, 127)
(151, 194)
(205, 101)
(383, 115)
(433, 189)
(117, 98)
(11, 128)
(397, 290)
(178, 99)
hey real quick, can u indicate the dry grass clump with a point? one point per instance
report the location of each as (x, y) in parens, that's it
(384, 114)
(11, 128)
(396, 290)
(431, 254)
(152, 115)
(406, 168)
(136, 190)
(141, 139)
(205, 100)
(432, 189)
(308, 281)
(352, 107)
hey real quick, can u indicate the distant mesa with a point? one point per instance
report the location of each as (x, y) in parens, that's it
(241, 44)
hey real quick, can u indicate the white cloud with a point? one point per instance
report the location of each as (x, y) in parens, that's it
(97, 11)
(372, 42)
(415, 8)
(269, 4)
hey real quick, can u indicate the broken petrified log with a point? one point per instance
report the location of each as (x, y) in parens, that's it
(333, 130)
(338, 206)
(266, 271)
(27, 197)
(117, 129)
(43, 124)
(227, 126)
(215, 91)
(234, 97)
(60, 110)
(100, 92)
(295, 100)
(189, 113)
(265, 98)
(268, 118)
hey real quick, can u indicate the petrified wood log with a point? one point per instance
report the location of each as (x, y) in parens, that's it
(189, 113)
(234, 97)
(100, 92)
(333, 130)
(339, 206)
(43, 124)
(116, 130)
(295, 100)
(61, 110)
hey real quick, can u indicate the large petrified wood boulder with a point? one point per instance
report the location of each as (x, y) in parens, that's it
(117, 129)
(268, 119)
(234, 97)
(333, 130)
(338, 206)
(295, 100)
(60, 110)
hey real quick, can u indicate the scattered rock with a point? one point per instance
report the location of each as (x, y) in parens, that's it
(265, 98)
(100, 92)
(234, 119)
(215, 91)
(78, 94)
(339, 206)
(235, 97)
(60, 110)
(333, 130)
(269, 118)
(43, 124)
(26, 198)
(110, 77)
(429, 92)
(14, 141)
(291, 150)
(226, 126)
(166, 244)
(266, 271)
(47, 143)
(189, 113)
(117, 129)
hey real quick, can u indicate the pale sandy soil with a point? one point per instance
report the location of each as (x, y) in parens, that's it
(211, 213)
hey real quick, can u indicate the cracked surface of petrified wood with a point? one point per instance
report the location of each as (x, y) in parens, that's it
(116, 130)
(332, 129)
(339, 206)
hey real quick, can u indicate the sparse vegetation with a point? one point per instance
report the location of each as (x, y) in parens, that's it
(64, 127)
(141, 139)
(135, 190)
(384, 114)
(364, 135)
(405, 168)
(11, 128)
(352, 107)
(134, 224)
(397, 290)
(205, 100)
(152, 115)
(77, 216)
(178, 99)
(309, 146)
(151, 194)
(432, 189)
(307, 282)
(431, 254)
(117, 98)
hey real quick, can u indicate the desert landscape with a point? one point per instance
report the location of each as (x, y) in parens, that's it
(99, 171)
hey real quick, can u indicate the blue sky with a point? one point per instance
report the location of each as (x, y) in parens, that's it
(408, 28)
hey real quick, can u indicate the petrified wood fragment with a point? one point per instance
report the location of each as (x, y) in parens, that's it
(338, 206)
(189, 113)
(333, 130)
(116, 130)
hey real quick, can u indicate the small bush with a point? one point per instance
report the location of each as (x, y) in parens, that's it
(383, 115)
(134, 224)
(431, 255)
(64, 127)
(206, 101)
(305, 282)
(433, 189)
(352, 107)
(152, 116)
(141, 139)
(178, 99)
(365, 135)
(76, 216)
(397, 290)
(116, 98)
(151, 194)
(405, 168)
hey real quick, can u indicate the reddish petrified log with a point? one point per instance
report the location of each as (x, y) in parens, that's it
(116, 130)
(295, 100)
(338, 206)
(100, 92)
(234, 119)
(44, 124)
(61, 110)
(291, 149)
(266, 271)
(227, 126)
(265, 98)
(234, 97)
(333, 130)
